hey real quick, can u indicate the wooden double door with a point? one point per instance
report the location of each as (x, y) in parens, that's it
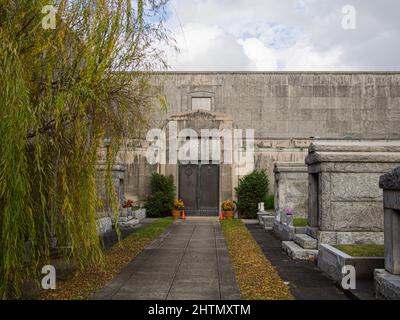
(199, 188)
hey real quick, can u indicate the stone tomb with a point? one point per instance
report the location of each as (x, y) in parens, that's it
(105, 213)
(345, 201)
(387, 282)
(291, 183)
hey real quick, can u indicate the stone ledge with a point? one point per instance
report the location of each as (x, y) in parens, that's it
(129, 224)
(285, 232)
(331, 261)
(290, 167)
(350, 237)
(298, 253)
(387, 285)
(305, 241)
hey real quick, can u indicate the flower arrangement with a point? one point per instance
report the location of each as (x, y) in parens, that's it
(128, 204)
(178, 204)
(288, 211)
(228, 205)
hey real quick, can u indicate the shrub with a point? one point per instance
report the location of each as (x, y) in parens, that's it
(270, 203)
(161, 201)
(252, 190)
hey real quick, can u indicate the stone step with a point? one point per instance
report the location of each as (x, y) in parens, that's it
(298, 253)
(268, 222)
(305, 241)
(312, 232)
(128, 224)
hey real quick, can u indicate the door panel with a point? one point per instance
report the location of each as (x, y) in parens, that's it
(199, 188)
(209, 189)
(188, 180)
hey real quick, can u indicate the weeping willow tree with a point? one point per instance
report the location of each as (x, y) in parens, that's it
(63, 91)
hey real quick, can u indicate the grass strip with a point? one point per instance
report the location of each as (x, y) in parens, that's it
(362, 250)
(256, 277)
(82, 284)
(300, 222)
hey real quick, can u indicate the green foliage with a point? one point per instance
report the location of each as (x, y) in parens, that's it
(252, 190)
(270, 203)
(58, 94)
(300, 222)
(161, 200)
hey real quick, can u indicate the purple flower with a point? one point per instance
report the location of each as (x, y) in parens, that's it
(289, 212)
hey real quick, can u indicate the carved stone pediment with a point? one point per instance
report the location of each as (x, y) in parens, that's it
(200, 120)
(200, 115)
(390, 180)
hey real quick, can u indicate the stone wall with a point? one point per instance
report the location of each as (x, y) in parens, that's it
(345, 201)
(285, 109)
(291, 187)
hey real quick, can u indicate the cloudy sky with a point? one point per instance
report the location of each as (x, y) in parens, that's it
(282, 35)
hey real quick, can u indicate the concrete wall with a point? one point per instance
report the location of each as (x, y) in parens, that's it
(284, 109)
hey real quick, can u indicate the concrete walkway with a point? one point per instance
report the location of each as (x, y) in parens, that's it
(189, 262)
(306, 281)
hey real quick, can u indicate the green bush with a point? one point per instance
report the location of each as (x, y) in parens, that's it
(252, 189)
(270, 203)
(161, 201)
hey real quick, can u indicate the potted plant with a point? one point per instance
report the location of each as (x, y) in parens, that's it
(228, 207)
(178, 207)
(128, 204)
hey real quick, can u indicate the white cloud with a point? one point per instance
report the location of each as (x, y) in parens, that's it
(207, 48)
(284, 35)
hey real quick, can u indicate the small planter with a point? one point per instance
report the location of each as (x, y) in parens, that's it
(176, 214)
(229, 215)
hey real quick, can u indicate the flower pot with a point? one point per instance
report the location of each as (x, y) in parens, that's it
(229, 215)
(176, 214)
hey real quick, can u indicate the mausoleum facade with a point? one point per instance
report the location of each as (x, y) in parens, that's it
(283, 112)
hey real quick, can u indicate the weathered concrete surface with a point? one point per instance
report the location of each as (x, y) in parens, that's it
(284, 108)
(387, 285)
(298, 253)
(344, 197)
(305, 241)
(189, 262)
(291, 187)
(331, 261)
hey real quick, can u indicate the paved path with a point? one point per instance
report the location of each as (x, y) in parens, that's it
(306, 281)
(189, 262)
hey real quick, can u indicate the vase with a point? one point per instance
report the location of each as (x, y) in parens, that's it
(176, 214)
(229, 215)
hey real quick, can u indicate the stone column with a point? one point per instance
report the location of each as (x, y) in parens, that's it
(387, 282)
(390, 183)
(291, 181)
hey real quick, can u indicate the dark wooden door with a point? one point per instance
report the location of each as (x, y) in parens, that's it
(199, 188)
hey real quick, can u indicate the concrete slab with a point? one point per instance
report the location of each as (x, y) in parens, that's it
(188, 262)
(306, 281)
